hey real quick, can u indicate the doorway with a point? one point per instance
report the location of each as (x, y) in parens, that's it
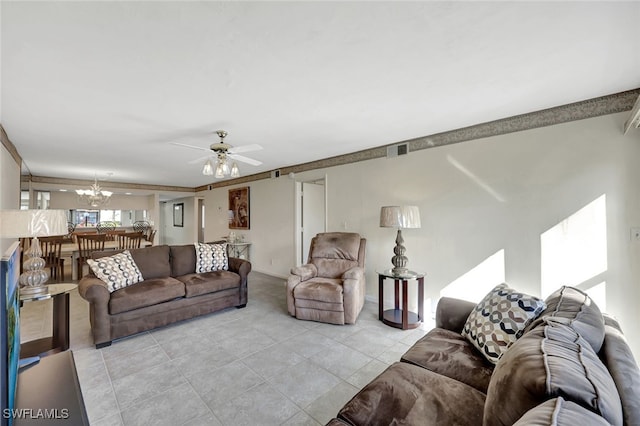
(311, 214)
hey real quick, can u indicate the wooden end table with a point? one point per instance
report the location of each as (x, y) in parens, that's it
(400, 316)
(59, 341)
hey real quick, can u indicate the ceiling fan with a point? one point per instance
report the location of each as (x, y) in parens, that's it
(223, 151)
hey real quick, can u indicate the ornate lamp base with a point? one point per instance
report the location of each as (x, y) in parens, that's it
(34, 276)
(399, 261)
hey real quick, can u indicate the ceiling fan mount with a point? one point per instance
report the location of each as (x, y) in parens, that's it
(223, 151)
(220, 147)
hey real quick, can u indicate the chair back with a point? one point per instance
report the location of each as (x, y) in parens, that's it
(333, 253)
(51, 253)
(87, 244)
(103, 227)
(151, 236)
(130, 240)
(112, 235)
(141, 226)
(51, 248)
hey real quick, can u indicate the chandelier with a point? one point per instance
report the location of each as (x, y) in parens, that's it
(222, 168)
(95, 196)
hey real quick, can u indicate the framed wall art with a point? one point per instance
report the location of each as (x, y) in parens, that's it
(178, 215)
(239, 208)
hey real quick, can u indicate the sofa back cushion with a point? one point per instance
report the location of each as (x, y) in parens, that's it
(333, 253)
(617, 355)
(576, 309)
(558, 412)
(549, 361)
(183, 260)
(152, 261)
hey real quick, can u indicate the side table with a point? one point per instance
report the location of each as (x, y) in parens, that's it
(59, 341)
(239, 250)
(400, 316)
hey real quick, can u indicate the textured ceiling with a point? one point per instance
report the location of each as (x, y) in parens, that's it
(91, 88)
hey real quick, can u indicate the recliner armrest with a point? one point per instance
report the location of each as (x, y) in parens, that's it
(355, 273)
(305, 272)
(451, 314)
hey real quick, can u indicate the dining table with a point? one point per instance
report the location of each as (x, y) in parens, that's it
(72, 250)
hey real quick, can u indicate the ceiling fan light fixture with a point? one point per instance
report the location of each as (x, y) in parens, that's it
(207, 170)
(219, 172)
(235, 172)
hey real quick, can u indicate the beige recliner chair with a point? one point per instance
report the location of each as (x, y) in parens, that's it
(330, 287)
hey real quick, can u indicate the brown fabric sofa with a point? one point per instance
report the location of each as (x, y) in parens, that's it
(171, 291)
(572, 366)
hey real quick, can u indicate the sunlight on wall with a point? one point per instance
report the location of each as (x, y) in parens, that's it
(599, 295)
(575, 250)
(476, 283)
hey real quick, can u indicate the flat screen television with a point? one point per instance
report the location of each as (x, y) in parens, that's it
(9, 330)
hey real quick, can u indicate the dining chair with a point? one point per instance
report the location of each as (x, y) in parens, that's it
(130, 240)
(141, 226)
(51, 253)
(112, 234)
(151, 236)
(103, 227)
(87, 244)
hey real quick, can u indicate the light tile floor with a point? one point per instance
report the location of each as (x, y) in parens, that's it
(251, 366)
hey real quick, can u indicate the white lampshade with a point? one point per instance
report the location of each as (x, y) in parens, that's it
(400, 217)
(32, 223)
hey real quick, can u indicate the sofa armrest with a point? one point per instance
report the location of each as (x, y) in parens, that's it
(355, 273)
(241, 267)
(305, 272)
(353, 289)
(451, 314)
(95, 291)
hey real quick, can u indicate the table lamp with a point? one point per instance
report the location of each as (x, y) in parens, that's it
(33, 223)
(399, 217)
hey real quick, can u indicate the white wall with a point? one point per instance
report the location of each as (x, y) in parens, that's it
(10, 188)
(476, 198)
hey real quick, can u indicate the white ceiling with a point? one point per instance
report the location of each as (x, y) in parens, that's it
(90, 88)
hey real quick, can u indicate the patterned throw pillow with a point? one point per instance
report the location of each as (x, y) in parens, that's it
(500, 319)
(211, 257)
(118, 271)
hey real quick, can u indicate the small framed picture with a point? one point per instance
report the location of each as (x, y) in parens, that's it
(178, 215)
(239, 208)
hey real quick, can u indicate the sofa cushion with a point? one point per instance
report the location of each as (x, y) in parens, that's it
(549, 361)
(405, 394)
(116, 271)
(576, 309)
(183, 260)
(145, 293)
(558, 412)
(450, 354)
(209, 282)
(321, 289)
(211, 257)
(152, 261)
(500, 319)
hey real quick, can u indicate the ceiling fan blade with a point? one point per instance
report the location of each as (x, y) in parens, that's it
(245, 159)
(190, 146)
(199, 160)
(245, 148)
